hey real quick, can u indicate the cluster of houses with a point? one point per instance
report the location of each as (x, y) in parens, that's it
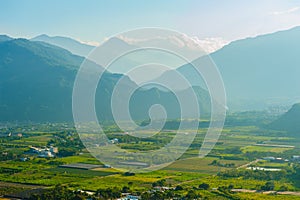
(124, 196)
(128, 196)
(114, 141)
(294, 158)
(10, 134)
(44, 152)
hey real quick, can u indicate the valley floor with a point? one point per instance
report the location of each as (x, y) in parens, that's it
(228, 171)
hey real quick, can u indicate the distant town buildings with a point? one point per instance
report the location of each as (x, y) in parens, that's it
(44, 152)
(106, 166)
(24, 159)
(130, 197)
(268, 158)
(10, 134)
(114, 141)
(54, 149)
(296, 158)
(273, 159)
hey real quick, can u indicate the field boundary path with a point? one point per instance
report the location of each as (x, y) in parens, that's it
(250, 163)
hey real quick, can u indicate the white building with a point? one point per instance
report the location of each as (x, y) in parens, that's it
(296, 158)
(46, 154)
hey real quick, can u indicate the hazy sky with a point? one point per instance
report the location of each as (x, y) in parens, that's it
(94, 20)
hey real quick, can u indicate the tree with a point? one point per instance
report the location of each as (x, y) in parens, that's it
(178, 187)
(157, 196)
(283, 188)
(159, 183)
(214, 162)
(169, 194)
(125, 189)
(130, 183)
(192, 195)
(268, 186)
(129, 174)
(204, 186)
(59, 192)
(146, 196)
(109, 193)
(231, 186)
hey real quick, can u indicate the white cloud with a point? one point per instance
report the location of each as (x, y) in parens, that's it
(92, 43)
(209, 45)
(284, 12)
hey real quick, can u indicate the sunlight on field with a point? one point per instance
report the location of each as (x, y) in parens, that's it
(265, 149)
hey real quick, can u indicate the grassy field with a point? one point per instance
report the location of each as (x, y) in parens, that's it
(200, 165)
(265, 149)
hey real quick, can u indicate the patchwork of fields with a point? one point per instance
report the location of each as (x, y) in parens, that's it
(237, 147)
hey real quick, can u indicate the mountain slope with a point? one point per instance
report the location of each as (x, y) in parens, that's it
(257, 71)
(71, 45)
(36, 82)
(4, 38)
(262, 67)
(290, 121)
(20, 49)
(143, 99)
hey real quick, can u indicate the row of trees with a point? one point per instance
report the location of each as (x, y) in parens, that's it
(59, 192)
(254, 174)
(170, 194)
(62, 192)
(217, 163)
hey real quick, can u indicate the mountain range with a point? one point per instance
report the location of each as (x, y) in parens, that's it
(257, 72)
(36, 82)
(69, 44)
(37, 75)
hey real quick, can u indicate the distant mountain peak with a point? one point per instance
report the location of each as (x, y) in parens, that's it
(116, 39)
(72, 45)
(117, 42)
(42, 35)
(37, 80)
(37, 51)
